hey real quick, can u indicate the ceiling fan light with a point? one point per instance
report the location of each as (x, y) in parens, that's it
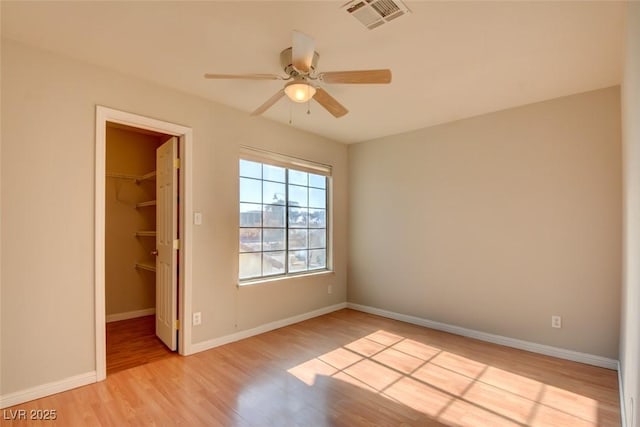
(299, 91)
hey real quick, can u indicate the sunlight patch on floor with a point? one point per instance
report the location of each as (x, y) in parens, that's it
(450, 388)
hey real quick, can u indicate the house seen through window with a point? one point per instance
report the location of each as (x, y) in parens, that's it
(283, 221)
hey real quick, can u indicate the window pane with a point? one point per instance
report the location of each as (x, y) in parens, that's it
(274, 216)
(297, 218)
(250, 190)
(250, 239)
(298, 239)
(250, 215)
(273, 239)
(250, 265)
(273, 193)
(317, 238)
(298, 196)
(273, 173)
(298, 178)
(317, 259)
(317, 198)
(317, 218)
(317, 181)
(250, 169)
(297, 261)
(272, 263)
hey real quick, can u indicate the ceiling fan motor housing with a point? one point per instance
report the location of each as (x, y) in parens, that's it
(287, 63)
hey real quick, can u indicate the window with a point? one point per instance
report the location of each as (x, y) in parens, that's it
(283, 220)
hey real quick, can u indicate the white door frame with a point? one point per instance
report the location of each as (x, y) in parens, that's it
(185, 135)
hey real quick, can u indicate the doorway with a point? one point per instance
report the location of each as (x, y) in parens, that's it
(136, 331)
(142, 238)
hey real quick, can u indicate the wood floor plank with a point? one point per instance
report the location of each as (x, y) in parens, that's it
(346, 368)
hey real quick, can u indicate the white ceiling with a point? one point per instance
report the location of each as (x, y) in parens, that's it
(450, 60)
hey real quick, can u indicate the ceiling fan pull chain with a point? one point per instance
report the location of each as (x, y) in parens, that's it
(309, 107)
(290, 114)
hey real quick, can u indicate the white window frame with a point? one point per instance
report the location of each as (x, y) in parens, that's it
(298, 164)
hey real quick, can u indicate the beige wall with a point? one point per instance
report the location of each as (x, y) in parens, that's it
(48, 158)
(630, 331)
(127, 288)
(496, 223)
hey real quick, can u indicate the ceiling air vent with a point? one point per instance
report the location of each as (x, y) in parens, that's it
(373, 13)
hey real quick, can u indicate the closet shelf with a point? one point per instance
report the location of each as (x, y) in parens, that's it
(145, 204)
(145, 234)
(146, 265)
(150, 175)
(136, 178)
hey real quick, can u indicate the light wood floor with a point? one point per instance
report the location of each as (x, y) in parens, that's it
(132, 343)
(348, 369)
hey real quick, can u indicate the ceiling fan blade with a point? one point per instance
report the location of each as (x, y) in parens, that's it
(302, 51)
(329, 103)
(357, 77)
(264, 107)
(244, 76)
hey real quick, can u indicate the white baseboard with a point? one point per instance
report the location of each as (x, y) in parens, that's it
(130, 314)
(216, 342)
(561, 353)
(48, 389)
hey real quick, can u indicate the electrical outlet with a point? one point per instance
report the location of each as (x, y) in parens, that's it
(197, 318)
(556, 322)
(330, 289)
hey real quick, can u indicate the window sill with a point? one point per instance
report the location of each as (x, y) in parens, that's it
(262, 280)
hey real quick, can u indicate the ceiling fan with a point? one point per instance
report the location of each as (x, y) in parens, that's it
(299, 63)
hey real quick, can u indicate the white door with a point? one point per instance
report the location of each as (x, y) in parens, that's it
(166, 242)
